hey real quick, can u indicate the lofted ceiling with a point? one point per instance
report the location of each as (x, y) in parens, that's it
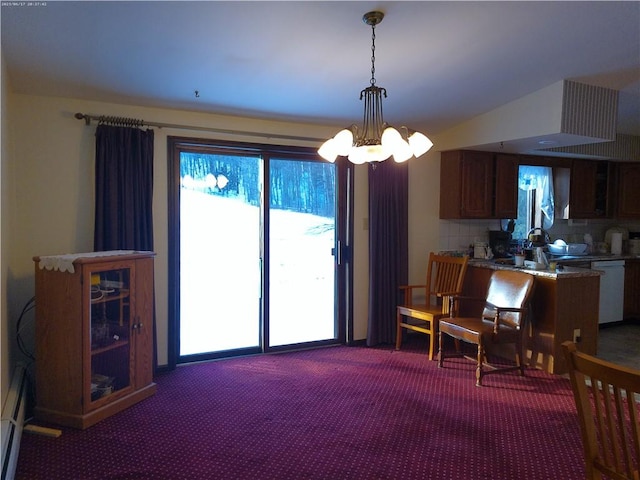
(442, 63)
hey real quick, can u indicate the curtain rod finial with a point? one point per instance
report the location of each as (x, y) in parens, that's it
(80, 116)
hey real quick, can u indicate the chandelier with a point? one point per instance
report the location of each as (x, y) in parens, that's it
(376, 140)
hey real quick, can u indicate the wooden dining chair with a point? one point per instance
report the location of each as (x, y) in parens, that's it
(607, 399)
(425, 304)
(502, 321)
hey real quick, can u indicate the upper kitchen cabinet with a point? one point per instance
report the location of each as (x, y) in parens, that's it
(478, 185)
(628, 198)
(506, 186)
(466, 180)
(589, 191)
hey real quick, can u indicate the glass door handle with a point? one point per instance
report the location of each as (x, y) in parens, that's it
(341, 252)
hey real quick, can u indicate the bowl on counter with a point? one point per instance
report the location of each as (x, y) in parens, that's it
(559, 247)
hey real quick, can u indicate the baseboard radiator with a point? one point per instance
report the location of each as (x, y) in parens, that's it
(13, 415)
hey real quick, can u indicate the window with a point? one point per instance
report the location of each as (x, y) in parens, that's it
(536, 207)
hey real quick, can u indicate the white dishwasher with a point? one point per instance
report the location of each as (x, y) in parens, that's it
(611, 290)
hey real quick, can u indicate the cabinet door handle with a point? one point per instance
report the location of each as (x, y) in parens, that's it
(136, 326)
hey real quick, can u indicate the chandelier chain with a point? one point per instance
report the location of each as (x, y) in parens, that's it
(373, 55)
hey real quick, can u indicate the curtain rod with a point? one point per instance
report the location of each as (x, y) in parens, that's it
(133, 122)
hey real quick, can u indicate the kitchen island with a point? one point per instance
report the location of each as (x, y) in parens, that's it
(564, 306)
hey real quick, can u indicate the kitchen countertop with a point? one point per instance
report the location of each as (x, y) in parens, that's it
(566, 261)
(566, 272)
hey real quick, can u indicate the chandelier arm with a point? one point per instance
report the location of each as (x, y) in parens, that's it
(367, 118)
(378, 114)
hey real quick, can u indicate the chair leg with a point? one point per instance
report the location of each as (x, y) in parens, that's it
(432, 343)
(520, 357)
(480, 367)
(398, 330)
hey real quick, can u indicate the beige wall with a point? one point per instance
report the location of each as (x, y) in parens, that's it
(51, 196)
(5, 361)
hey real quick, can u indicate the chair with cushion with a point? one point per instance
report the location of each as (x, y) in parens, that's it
(425, 304)
(607, 398)
(502, 321)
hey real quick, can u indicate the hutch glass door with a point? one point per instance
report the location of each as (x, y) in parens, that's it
(111, 329)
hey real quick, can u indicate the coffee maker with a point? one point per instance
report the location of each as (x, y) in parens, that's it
(499, 242)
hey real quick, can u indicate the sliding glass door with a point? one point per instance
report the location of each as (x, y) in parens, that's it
(302, 228)
(254, 237)
(219, 252)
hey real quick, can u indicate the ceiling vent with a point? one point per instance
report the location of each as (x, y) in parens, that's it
(589, 111)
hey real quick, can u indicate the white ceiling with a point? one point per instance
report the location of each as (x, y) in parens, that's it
(441, 62)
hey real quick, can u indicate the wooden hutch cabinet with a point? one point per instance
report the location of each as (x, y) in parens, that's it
(94, 335)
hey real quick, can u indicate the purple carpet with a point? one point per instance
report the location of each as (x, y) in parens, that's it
(332, 413)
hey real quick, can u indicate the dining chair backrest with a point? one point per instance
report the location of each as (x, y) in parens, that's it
(607, 399)
(445, 274)
(508, 289)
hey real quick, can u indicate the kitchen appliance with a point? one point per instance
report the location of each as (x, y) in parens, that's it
(611, 290)
(538, 237)
(499, 242)
(616, 235)
(616, 243)
(482, 250)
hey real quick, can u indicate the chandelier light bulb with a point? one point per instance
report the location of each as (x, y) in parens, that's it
(420, 144)
(343, 142)
(391, 138)
(328, 150)
(402, 152)
(357, 156)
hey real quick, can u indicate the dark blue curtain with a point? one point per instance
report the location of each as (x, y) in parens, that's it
(388, 246)
(124, 193)
(124, 189)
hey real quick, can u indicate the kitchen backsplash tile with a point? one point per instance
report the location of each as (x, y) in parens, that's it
(459, 234)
